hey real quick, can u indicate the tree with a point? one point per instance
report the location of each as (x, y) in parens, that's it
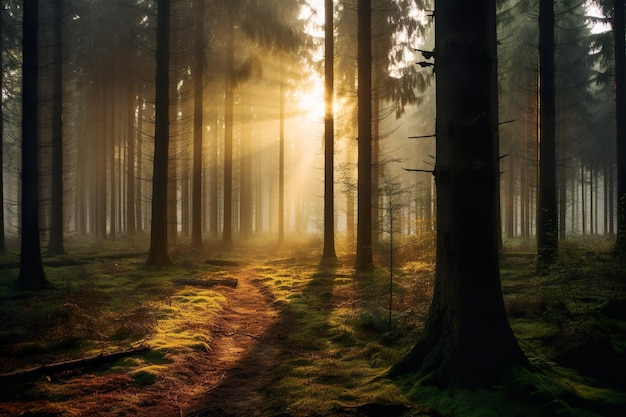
(56, 245)
(2, 235)
(620, 110)
(31, 275)
(158, 254)
(547, 223)
(467, 340)
(198, 73)
(227, 232)
(329, 136)
(364, 253)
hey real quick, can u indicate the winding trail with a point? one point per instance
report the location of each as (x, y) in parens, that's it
(245, 345)
(228, 380)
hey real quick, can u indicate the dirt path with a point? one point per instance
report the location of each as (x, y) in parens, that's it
(228, 380)
(245, 344)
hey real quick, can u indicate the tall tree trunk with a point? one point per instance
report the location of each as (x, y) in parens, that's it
(611, 199)
(112, 176)
(2, 230)
(130, 166)
(31, 274)
(364, 257)
(583, 197)
(100, 198)
(227, 238)
(56, 190)
(562, 196)
(158, 254)
(592, 201)
(185, 169)
(172, 178)
(329, 134)
(620, 112)
(467, 340)
(281, 156)
(350, 200)
(510, 198)
(245, 177)
(547, 222)
(138, 186)
(214, 183)
(198, 77)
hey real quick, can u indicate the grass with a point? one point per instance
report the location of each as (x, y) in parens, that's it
(339, 338)
(106, 305)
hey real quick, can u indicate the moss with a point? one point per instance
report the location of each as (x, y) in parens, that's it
(523, 394)
(145, 376)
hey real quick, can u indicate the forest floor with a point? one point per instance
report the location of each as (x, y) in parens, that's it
(292, 338)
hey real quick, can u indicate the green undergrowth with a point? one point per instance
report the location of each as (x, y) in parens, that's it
(342, 339)
(339, 335)
(570, 324)
(107, 304)
(558, 392)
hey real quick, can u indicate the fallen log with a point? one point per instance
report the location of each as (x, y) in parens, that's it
(24, 375)
(208, 283)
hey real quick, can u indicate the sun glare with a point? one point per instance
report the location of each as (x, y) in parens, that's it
(310, 101)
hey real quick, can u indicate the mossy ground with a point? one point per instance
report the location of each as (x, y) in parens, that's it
(327, 339)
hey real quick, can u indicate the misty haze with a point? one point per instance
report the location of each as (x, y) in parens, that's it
(312, 208)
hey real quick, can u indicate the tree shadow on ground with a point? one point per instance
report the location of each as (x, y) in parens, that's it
(287, 355)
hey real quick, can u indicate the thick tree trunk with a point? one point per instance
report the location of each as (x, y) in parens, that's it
(620, 111)
(56, 245)
(547, 221)
(31, 274)
(364, 256)
(467, 340)
(158, 254)
(2, 231)
(329, 135)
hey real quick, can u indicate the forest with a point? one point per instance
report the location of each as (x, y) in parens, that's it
(313, 208)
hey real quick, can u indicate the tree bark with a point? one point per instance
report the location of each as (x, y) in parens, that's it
(329, 134)
(467, 340)
(138, 186)
(227, 239)
(620, 112)
(31, 274)
(196, 207)
(56, 246)
(2, 231)
(130, 166)
(281, 156)
(547, 214)
(158, 254)
(364, 256)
